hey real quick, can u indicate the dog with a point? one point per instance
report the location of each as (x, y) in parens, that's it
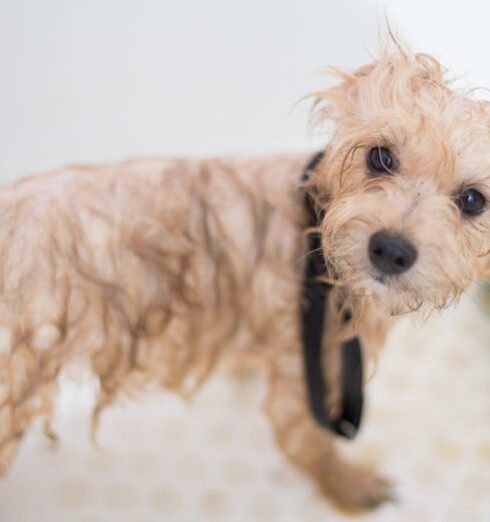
(155, 270)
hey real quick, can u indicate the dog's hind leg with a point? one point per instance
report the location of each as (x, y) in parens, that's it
(29, 366)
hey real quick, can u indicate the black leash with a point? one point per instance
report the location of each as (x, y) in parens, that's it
(315, 294)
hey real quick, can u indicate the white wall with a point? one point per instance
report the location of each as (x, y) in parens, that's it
(102, 80)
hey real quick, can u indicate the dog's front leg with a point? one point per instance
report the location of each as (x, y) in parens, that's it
(345, 319)
(353, 487)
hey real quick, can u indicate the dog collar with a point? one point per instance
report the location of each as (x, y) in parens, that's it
(315, 295)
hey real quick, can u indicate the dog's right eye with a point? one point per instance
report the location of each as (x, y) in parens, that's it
(380, 161)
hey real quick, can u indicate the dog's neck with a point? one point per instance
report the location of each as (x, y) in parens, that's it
(316, 295)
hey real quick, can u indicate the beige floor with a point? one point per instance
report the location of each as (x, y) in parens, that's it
(427, 427)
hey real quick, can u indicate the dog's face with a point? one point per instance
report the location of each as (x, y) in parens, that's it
(406, 180)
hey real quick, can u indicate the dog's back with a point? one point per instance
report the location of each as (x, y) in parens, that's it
(150, 268)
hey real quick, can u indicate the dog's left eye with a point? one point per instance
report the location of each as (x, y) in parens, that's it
(380, 161)
(471, 202)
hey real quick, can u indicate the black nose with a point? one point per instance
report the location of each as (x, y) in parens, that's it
(391, 253)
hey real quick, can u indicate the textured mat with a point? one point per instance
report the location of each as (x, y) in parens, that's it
(427, 427)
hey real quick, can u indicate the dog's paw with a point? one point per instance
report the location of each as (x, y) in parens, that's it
(372, 491)
(357, 489)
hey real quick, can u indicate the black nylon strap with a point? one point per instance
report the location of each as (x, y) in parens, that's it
(315, 294)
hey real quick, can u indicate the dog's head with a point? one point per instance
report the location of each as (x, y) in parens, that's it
(405, 183)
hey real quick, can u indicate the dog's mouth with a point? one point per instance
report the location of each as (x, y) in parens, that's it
(379, 278)
(417, 289)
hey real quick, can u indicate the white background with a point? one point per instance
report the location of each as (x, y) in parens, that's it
(104, 80)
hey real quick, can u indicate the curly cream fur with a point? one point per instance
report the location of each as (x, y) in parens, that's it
(150, 268)
(441, 138)
(154, 269)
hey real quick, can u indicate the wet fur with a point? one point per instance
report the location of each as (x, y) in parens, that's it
(155, 269)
